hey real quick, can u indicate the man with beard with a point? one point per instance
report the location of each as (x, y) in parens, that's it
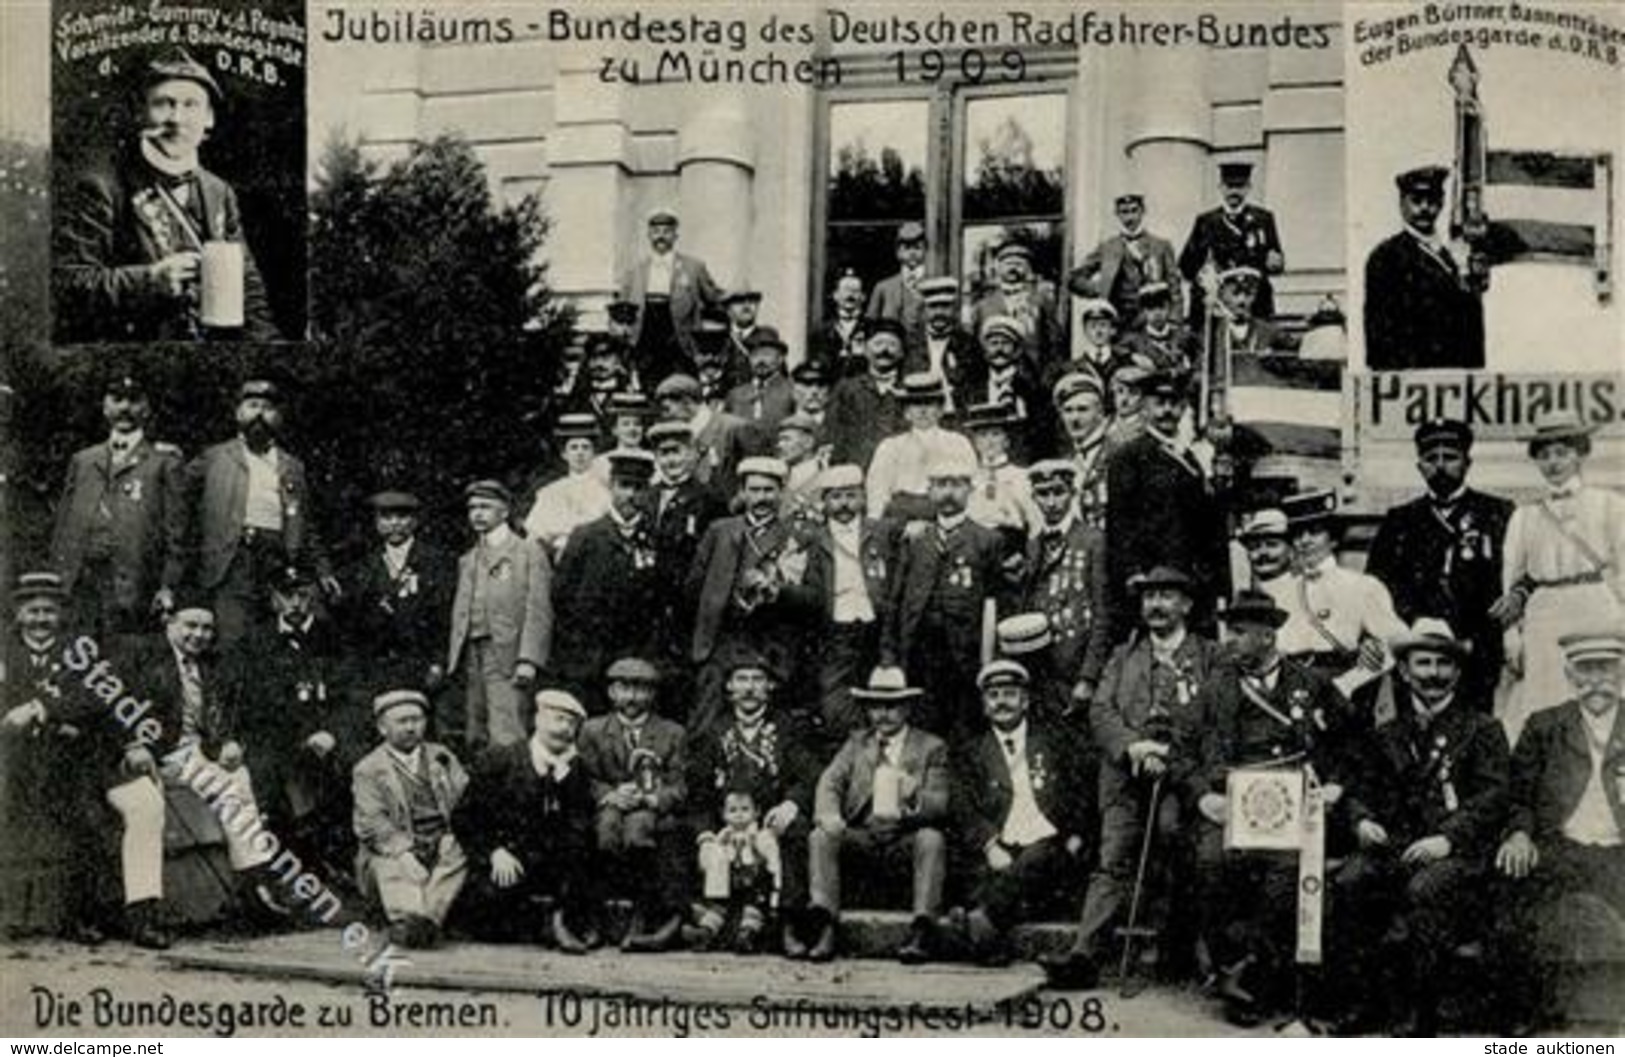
(607, 581)
(767, 396)
(635, 762)
(1427, 818)
(680, 509)
(398, 597)
(526, 824)
(1066, 579)
(1144, 694)
(254, 518)
(758, 749)
(1237, 233)
(1160, 506)
(1020, 295)
(1081, 405)
(865, 409)
(405, 793)
(897, 478)
(1420, 309)
(120, 538)
(750, 588)
(839, 343)
(1260, 711)
(1024, 794)
(1566, 832)
(897, 297)
(945, 348)
(851, 563)
(501, 619)
(1440, 554)
(1122, 266)
(670, 289)
(947, 569)
(129, 235)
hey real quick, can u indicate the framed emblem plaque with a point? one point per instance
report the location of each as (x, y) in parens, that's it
(1264, 809)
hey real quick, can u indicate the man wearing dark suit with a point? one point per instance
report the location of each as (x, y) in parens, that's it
(757, 747)
(1066, 579)
(943, 347)
(1160, 507)
(741, 308)
(670, 290)
(1144, 694)
(767, 397)
(609, 577)
(1009, 380)
(397, 601)
(1236, 233)
(864, 409)
(721, 439)
(635, 760)
(1420, 311)
(1259, 711)
(120, 534)
(501, 618)
(253, 515)
(1163, 339)
(839, 340)
(1440, 554)
(882, 800)
(526, 824)
(947, 570)
(681, 508)
(852, 560)
(1024, 795)
(897, 297)
(129, 235)
(1123, 263)
(1030, 301)
(1566, 830)
(750, 587)
(1427, 818)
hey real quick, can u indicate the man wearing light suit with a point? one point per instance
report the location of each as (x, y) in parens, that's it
(252, 504)
(1117, 268)
(883, 800)
(501, 619)
(120, 535)
(405, 792)
(669, 290)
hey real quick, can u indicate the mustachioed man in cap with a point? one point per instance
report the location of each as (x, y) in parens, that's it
(526, 824)
(767, 396)
(406, 792)
(1024, 799)
(1144, 694)
(796, 440)
(670, 290)
(1427, 822)
(1234, 233)
(1066, 578)
(1566, 829)
(898, 296)
(949, 571)
(1080, 403)
(398, 599)
(636, 761)
(607, 584)
(1237, 326)
(945, 347)
(839, 340)
(681, 508)
(866, 408)
(501, 619)
(742, 306)
(1420, 311)
(1120, 268)
(129, 233)
(1094, 342)
(120, 536)
(1564, 565)
(751, 590)
(1440, 554)
(722, 439)
(1018, 293)
(576, 497)
(897, 479)
(252, 501)
(1008, 379)
(757, 749)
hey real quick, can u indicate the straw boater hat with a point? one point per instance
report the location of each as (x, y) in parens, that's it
(1555, 425)
(1023, 633)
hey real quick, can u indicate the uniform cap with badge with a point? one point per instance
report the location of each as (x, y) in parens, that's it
(1074, 383)
(1424, 181)
(1046, 471)
(1002, 672)
(812, 372)
(1098, 308)
(490, 490)
(1443, 433)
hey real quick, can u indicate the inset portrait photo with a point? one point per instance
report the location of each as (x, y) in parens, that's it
(178, 135)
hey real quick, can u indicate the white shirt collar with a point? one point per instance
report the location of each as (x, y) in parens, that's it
(409, 760)
(948, 523)
(1016, 738)
(127, 441)
(545, 761)
(498, 536)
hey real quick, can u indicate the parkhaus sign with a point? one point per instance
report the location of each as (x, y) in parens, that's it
(1495, 404)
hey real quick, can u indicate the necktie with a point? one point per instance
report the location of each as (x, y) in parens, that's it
(886, 748)
(1010, 748)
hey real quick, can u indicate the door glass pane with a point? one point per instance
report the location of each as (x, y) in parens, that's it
(1015, 153)
(877, 160)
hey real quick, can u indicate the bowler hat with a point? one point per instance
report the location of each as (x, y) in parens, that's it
(1254, 607)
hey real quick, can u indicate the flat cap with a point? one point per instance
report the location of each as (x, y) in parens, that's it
(489, 488)
(661, 215)
(392, 699)
(1129, 199)
(763, 466)
(1012, 248)
(178, 65)
(1262, 524)
(258, 387)
(632, 670)
(560, 701)
(844, 475)
(669, 430)
(1007, 326)
(678, 385)
(1072, 383)
(1162, 576)
(396, 501)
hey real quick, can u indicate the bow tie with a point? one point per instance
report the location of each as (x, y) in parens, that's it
(175, 182)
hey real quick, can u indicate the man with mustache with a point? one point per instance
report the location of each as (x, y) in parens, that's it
(254, 519)
(129, 235)
(1426, 821)
(866, 408)
(1235, 233)
(1122, 266)
(1420, 311)
(121, 524)
(670, 290)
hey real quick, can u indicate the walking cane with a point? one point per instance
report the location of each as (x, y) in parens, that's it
(1131, 931)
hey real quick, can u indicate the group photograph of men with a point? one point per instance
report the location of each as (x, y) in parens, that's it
(979, 606)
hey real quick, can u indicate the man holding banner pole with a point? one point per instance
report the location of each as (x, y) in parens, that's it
(1265, 743)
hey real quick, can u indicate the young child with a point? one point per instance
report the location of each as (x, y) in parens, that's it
(741, 871)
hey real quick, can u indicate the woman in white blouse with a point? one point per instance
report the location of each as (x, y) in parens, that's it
(1564, 568)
